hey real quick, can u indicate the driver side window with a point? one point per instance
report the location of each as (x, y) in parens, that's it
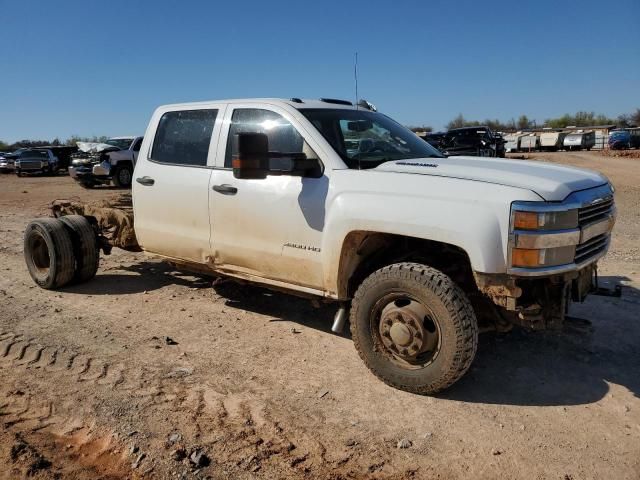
(283, 137)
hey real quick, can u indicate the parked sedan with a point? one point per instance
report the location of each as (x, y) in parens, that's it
(6, 162)
(36, 161)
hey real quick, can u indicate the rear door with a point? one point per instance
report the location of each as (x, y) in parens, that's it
(171, 182)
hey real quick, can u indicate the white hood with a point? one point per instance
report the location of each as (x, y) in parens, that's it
(551, 181)
(89, 147)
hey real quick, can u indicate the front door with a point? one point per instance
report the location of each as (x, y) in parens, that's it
(269, 228)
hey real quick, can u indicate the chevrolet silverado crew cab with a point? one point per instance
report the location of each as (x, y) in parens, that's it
(339, 202)
(103, 163)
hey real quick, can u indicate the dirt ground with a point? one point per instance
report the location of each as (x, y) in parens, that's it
(145, 372)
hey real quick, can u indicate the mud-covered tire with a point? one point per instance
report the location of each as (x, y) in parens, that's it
(452, 312)
(48, 252)
(85, 247)
(123, 176)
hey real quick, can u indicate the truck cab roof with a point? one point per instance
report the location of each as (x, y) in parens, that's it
(297, 103)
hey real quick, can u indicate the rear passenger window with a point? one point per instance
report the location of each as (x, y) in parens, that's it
(283, 137)
(183, 137)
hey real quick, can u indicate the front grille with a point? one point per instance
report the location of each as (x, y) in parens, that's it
(595, 212)
(30, 164)
(591, 247)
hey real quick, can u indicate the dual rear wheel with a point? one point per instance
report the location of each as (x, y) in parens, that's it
(60, 251)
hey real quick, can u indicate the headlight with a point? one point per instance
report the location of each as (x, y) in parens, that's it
(561, 220)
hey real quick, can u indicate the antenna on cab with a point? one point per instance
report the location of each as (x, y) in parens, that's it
(355, 76)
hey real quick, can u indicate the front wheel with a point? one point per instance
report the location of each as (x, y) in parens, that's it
(414, 328)
(122, 176)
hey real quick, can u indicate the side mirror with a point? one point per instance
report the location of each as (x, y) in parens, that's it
(252, 158)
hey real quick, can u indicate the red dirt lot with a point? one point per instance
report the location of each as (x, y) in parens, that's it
(147, 372)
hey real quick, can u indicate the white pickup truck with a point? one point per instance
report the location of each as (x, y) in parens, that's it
(103, 163)
(329, 200)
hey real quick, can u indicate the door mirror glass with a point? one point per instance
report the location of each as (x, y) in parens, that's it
(251, 155)
(254, 160)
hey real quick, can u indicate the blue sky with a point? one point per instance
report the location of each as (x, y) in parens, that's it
(100, 68)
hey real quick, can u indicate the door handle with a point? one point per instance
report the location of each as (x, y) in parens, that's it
(225, 189)
(148, 181)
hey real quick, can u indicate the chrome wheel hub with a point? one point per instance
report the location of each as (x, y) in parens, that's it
(408, 331)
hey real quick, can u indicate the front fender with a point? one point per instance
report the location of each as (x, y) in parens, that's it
(472, 216)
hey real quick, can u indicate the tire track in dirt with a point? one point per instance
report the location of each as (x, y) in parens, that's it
(238, 424)
(16, 350)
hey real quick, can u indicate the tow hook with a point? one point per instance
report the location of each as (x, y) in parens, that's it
(596, 289)
(608, 292)
(340, 319)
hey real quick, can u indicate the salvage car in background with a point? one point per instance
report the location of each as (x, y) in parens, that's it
(475, 141)
(6, 162)
(62, 153)
(623, 139)
(103, 163)
(36, 161)
(435, 139)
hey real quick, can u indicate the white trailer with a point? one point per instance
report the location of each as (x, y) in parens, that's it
(512, 142)
(530, 142)
(552, 141)
(579, 140)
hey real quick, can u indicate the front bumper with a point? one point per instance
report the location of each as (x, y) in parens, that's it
(31, 166)
(87, 170)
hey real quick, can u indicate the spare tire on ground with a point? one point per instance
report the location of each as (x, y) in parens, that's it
(85, 246)
(48, 252)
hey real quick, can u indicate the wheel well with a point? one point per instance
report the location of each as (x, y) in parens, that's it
(365, 252)
(126, 163)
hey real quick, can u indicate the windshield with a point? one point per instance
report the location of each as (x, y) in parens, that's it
(34, 154)
(121, 143)
(365, 139)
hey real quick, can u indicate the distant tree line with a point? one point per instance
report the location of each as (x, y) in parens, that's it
(580, 119)
(10, 147)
